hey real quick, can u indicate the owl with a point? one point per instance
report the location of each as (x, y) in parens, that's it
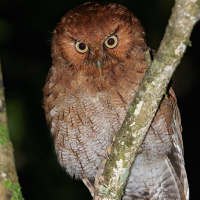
(98, 62)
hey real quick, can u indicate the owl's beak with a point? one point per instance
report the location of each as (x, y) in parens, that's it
(99, 65)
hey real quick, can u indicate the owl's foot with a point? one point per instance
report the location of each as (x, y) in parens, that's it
(97, 184)
(99, 178)
(89, 185)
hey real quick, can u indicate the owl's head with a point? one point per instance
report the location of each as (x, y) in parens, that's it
(97, 36)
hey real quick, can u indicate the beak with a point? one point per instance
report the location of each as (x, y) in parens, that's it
(99, 65)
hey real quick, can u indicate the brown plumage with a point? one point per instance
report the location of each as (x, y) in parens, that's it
(98, 53)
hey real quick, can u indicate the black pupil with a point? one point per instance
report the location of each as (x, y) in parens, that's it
(81, 46)
(111, 41)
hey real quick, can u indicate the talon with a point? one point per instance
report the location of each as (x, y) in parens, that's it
(101, 179)
(113, 138)
(140, 150)
(108, 150)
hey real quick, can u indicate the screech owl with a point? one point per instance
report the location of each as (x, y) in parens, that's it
(98, 55)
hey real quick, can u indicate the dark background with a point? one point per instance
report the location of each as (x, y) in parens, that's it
(25, 35)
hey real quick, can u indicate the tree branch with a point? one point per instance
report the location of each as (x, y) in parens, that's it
(9, 186)
(185, 14)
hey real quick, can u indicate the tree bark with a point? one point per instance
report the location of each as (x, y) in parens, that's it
(9, 185)
(185, 14)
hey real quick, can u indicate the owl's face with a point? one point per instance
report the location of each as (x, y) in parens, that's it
(97, 36)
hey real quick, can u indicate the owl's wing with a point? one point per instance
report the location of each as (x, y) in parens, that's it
(159, 172)
(176, 155)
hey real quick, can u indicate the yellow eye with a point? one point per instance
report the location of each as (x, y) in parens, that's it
(81, 47)
(111, 42)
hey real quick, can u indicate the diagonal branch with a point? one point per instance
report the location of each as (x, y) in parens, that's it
(185, 14)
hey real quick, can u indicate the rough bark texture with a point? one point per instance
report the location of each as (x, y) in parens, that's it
(9, 186)
(185, 14)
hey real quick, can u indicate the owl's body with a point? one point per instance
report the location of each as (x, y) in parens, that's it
(98, 52)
